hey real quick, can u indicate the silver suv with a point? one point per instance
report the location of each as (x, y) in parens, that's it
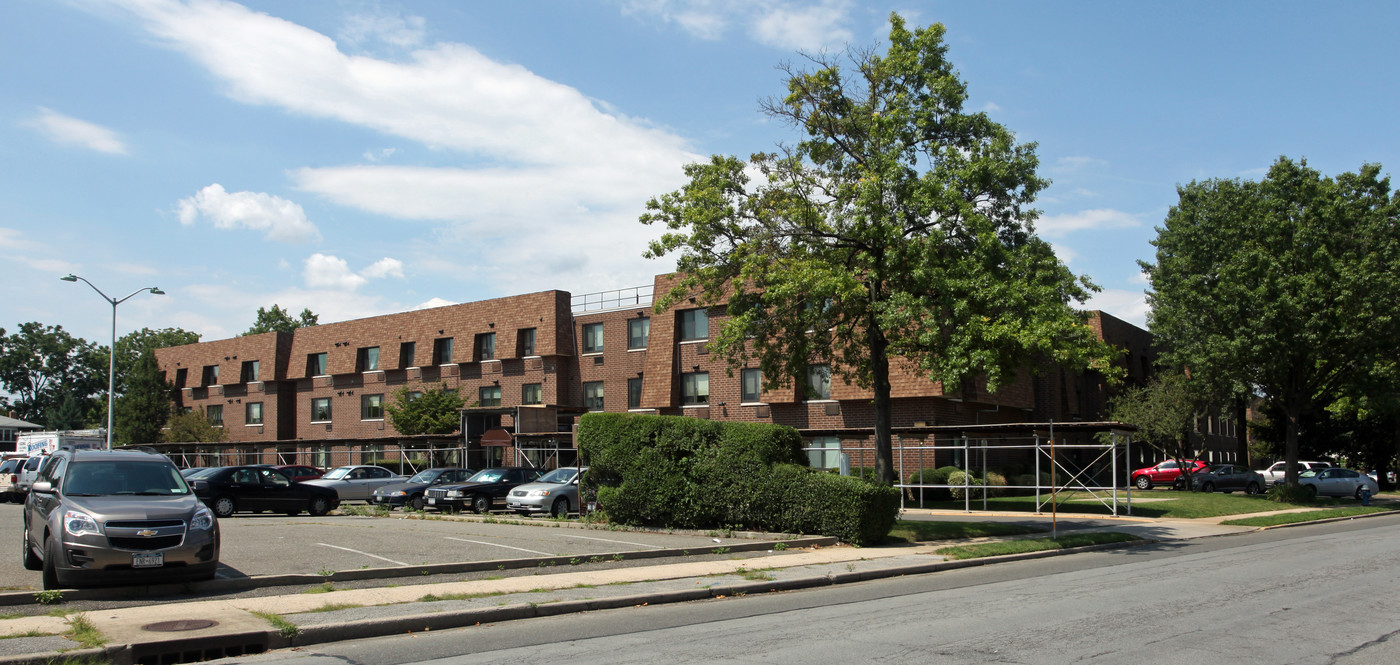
(124, 516)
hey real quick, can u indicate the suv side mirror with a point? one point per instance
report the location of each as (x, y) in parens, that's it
(42, 487)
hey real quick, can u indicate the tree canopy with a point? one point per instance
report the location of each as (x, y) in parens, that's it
(52, 375)
(144, 406)
(437, 411)
(1286, 287)
(1165, 410)
(899, 225)
(280, 320)
(190, 427)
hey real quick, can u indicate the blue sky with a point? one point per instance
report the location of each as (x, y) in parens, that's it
(361, 158)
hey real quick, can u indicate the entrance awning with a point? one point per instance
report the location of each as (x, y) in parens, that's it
(498, 438)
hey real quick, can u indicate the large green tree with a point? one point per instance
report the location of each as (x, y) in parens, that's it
(52, 375)
(437, 411)
(899, 225)
(1287, 286)
(144, 406)
(1165, 411)
(280, 320)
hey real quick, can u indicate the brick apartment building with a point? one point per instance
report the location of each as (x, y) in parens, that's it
(529, 365)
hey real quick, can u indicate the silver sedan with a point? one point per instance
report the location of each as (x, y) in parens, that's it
(1337, 482)
(356, 483)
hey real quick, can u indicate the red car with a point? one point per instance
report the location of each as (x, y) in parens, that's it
(1165, 472)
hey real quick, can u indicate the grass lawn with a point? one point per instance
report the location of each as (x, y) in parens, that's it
(915, 531)
(1292, 518)
(1181, 505)
(1034, 545)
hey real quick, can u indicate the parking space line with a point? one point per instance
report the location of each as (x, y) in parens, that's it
(478, 542)
(372, 556)
(621, 542)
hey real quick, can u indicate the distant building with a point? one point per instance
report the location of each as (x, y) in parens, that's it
(530, 365)
(10, 427)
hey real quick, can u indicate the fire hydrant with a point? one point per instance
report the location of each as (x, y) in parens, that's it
(1365, 495)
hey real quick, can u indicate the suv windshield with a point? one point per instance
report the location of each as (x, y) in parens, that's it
(107, 478)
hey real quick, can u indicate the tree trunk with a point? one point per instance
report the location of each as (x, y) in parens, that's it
(1242, 429)
(880, 371)
(1290, 444)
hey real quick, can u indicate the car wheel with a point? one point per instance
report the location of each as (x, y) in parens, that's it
(560, 508)
(1312, 491)
(223, 506)
(320, 505)
(1208, 488)
(1144, 483)
(481, 504)
(31, 562)
(1358, 491)
(416, 503)
(1252, 489)
(50, 565)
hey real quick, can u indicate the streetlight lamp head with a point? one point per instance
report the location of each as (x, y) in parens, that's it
(70, 278)
(157, 291)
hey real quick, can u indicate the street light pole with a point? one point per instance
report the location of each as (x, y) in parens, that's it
(112, 352)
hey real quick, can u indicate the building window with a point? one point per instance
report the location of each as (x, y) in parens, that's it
(526, 342)
(490, 396)
(695, 388)
(752, 385)
(818, 382)
(320, 409)
(211, 375)
(531, 393)
(413, 395)
(593, 395)
(372, 407)
(252, 413)
(214, 413)
(824, 452)
(695, 324)
(638, 330)
(315, 364)
(634, 393)
(486, 346)
(593, 338)
(367, 359)
(406, 351)
(442, 351)
(181, 376)
(250, 372)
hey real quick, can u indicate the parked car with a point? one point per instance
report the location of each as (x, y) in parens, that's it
(232, 489)
(9, 479)
(1337, 481)
(482, 491)
(1168, 472)
(197, 471)
(410, 492)
(120, 516)
(555, 492)
(1227, 478)
(300, 472)
(28, 473)
(356, 483)
(1275, 472)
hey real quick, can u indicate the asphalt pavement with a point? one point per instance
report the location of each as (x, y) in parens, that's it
(231, 625)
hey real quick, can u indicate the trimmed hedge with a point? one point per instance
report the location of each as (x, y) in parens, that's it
(700, 474)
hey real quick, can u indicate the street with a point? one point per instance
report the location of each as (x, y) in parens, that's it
(1315, 594)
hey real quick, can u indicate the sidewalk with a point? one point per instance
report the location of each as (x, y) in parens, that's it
(197, 630)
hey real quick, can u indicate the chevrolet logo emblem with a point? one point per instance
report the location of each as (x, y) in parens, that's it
(146, 533)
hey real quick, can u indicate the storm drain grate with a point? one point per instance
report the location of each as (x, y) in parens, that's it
(196, 649)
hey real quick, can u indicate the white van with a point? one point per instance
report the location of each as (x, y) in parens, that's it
(9, 478)
(28, 473)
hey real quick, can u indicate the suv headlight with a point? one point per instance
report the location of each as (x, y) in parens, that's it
(203, 519)
(77, 523)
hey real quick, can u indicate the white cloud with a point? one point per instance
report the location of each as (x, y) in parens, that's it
(385, 267)
(283, 220)
(782, 24)
(13, 239)
(1058, 226)
(1131, 306)
(391, 29)
(68, 130)
(383, 153)
(1076, 162)
(435, 302)
(991, 107)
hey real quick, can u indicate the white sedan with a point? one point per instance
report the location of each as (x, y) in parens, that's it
(356, 483)
(1337, 482)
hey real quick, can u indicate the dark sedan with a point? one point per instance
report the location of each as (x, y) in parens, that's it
(482, 491)
(1227, 478)
(232, 489)
(410, 492)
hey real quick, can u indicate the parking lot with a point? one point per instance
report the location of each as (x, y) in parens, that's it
(266, 544)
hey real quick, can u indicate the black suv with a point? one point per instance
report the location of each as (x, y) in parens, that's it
(116, 516)
(482, 491)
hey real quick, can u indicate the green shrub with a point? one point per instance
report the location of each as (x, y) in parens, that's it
(937, 476)
(995, 479)
(958, 480)
(700, 474)
(1289, 494)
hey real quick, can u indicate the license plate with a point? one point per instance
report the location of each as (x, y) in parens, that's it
(148, 560)
(431, 501)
